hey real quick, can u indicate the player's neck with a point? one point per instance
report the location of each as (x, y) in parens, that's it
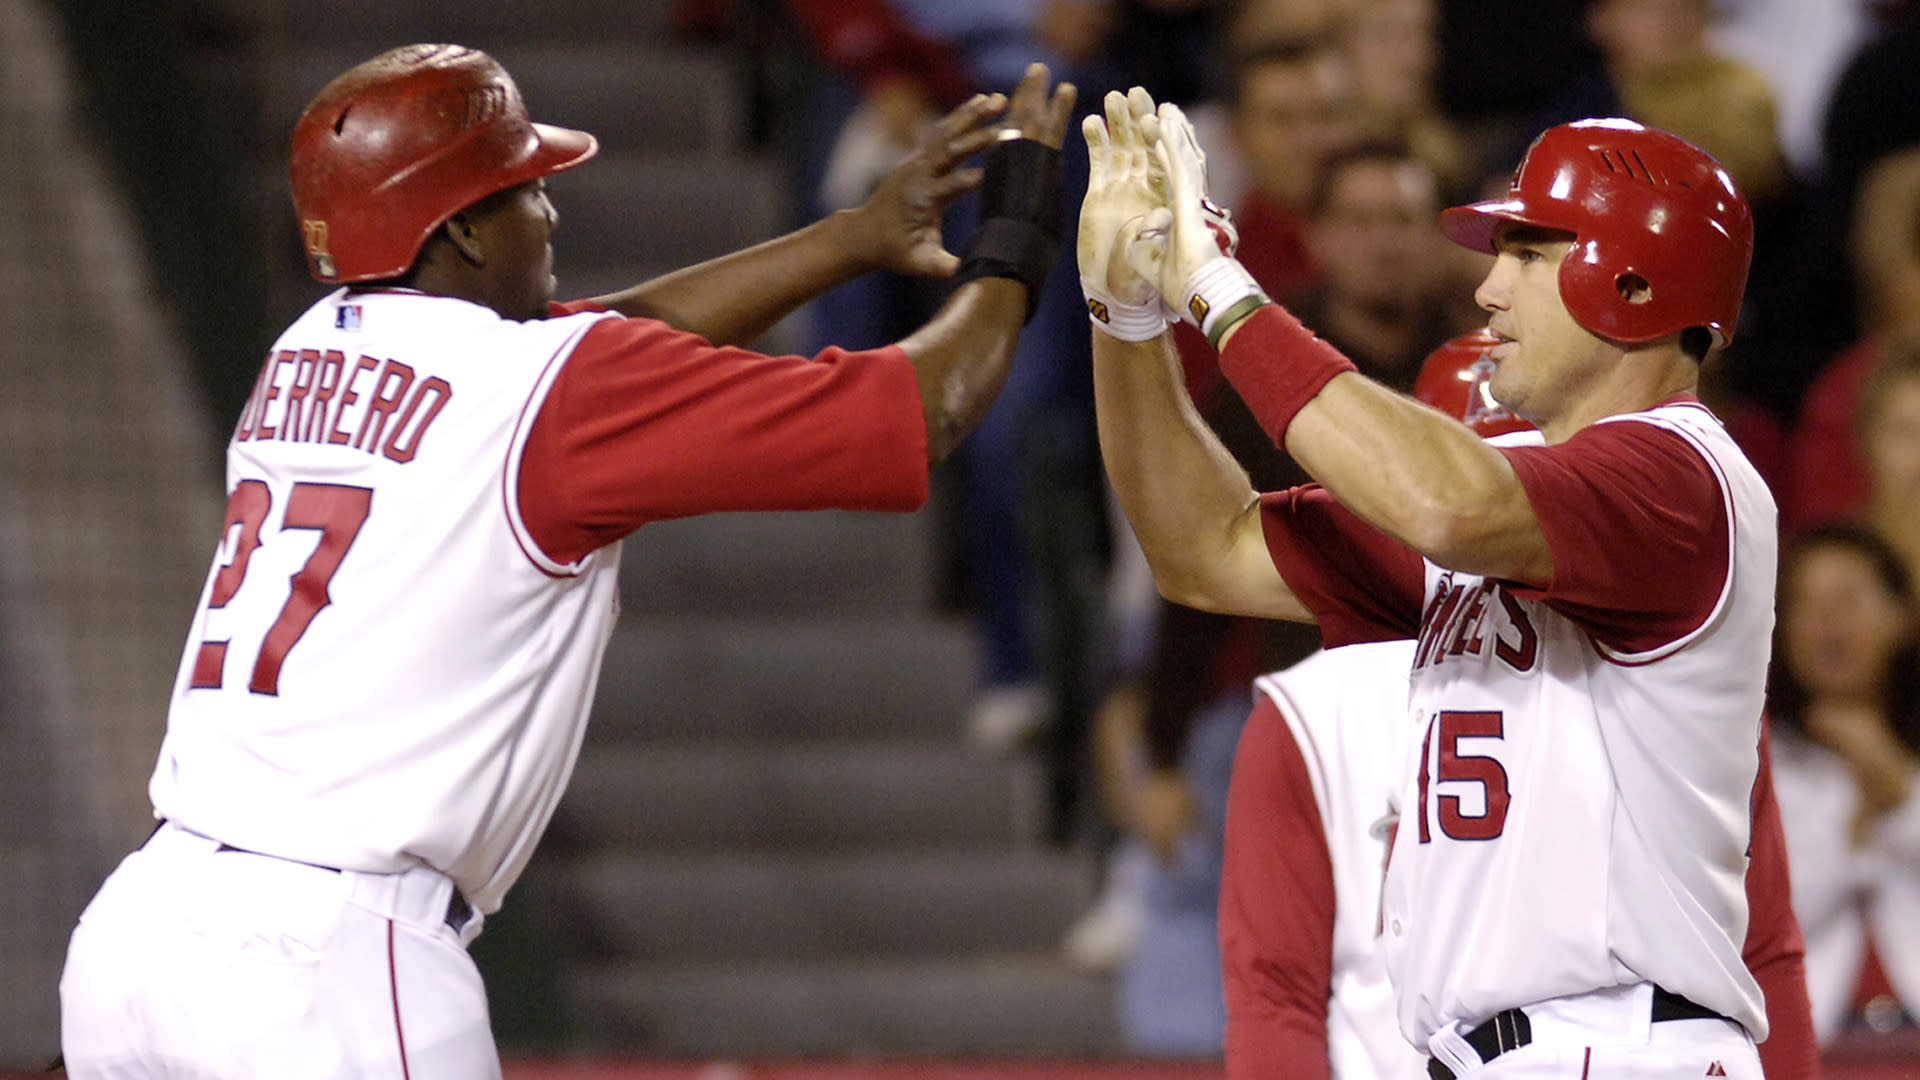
(1638, 380)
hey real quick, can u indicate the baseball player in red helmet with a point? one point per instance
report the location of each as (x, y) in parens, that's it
(1312, 811)
(1591, 616)
(386, 682)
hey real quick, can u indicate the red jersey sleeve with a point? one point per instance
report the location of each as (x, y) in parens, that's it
(1775, 949)
(1276, 909)
(645, 422)
(1361, 584)
(1637, 523)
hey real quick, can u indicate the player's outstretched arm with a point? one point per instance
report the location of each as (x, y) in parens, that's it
(963, 354)
(1191, 505)
(735, 298)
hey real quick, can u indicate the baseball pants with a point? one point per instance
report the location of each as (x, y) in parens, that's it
(1607, 1035)
(199, 962)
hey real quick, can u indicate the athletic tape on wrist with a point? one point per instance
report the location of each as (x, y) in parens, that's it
(1218, 287)
(1020, 217)
(1128, 322)
(1277, 365)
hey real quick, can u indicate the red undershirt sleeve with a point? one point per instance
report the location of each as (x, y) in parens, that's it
(646, 423)
(1276, 909)
(1637, 522)
(1775, 950)
(1361, 584)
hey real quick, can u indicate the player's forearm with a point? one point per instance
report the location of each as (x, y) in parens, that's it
(963, 355)
(1189, 502)
(1406, 469)
(735, 298)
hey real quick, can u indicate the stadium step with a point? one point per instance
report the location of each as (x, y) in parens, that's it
(852, 797)
(784, 678)
(661, 910)
(628, 209)
(982, 1006)
(830, 562)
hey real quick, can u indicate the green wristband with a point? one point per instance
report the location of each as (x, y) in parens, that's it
(1247, 306)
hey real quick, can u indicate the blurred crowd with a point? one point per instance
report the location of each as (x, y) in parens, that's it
(1335, 131)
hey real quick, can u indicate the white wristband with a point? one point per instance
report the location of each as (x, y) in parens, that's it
(1128, 322)
(1213, 290)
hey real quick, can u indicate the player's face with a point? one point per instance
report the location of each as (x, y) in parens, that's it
(1544, 356)
(1374, 236)
(516, 229)
(1290, 113)
(1840, 622)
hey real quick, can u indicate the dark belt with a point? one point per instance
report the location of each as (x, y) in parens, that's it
(458, 910)
(1511, 1030)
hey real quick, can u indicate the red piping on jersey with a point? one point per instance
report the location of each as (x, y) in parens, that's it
(393, 982)
(510, 475)
(1725, 599)
(1586, 1064)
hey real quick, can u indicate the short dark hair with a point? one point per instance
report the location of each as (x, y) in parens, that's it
(1291, 49)
(1697, 342)
(1386, 151)
(1787, 698)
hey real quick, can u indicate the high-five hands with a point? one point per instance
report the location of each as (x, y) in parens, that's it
(1147, 206)
(1119, 198)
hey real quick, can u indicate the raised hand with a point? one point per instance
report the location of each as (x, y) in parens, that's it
(899, 224)
(1177, 240)
(1119, 192)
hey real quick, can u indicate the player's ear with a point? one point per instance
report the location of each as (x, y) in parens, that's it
(465, 238)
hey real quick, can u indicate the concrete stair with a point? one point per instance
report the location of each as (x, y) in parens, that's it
(776, 843)
(968, 1007)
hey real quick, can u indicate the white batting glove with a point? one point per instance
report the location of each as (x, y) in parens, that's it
(1186, 246)
(1119, 301)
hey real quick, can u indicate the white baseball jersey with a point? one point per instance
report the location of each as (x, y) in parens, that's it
(1583, 813)
(1347, 711)
(366, 688)
(1588, 749)
(387, 670)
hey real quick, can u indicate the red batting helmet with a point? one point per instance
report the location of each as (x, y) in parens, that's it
(1653, 216)
(1455, 380)
(393, 148)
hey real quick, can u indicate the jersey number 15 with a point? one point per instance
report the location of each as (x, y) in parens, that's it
(1468, 768)
(337, 512)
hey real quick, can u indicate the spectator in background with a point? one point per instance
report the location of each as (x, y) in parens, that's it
(1826, 477)
(1394, 50)
(1292, 104)
(1844, 694)
(1370, 229)
(1889, 427)
(1801, 47)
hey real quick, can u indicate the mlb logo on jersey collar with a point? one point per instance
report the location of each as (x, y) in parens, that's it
(346, 317)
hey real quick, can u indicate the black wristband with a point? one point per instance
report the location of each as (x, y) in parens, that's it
(1020, 217)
